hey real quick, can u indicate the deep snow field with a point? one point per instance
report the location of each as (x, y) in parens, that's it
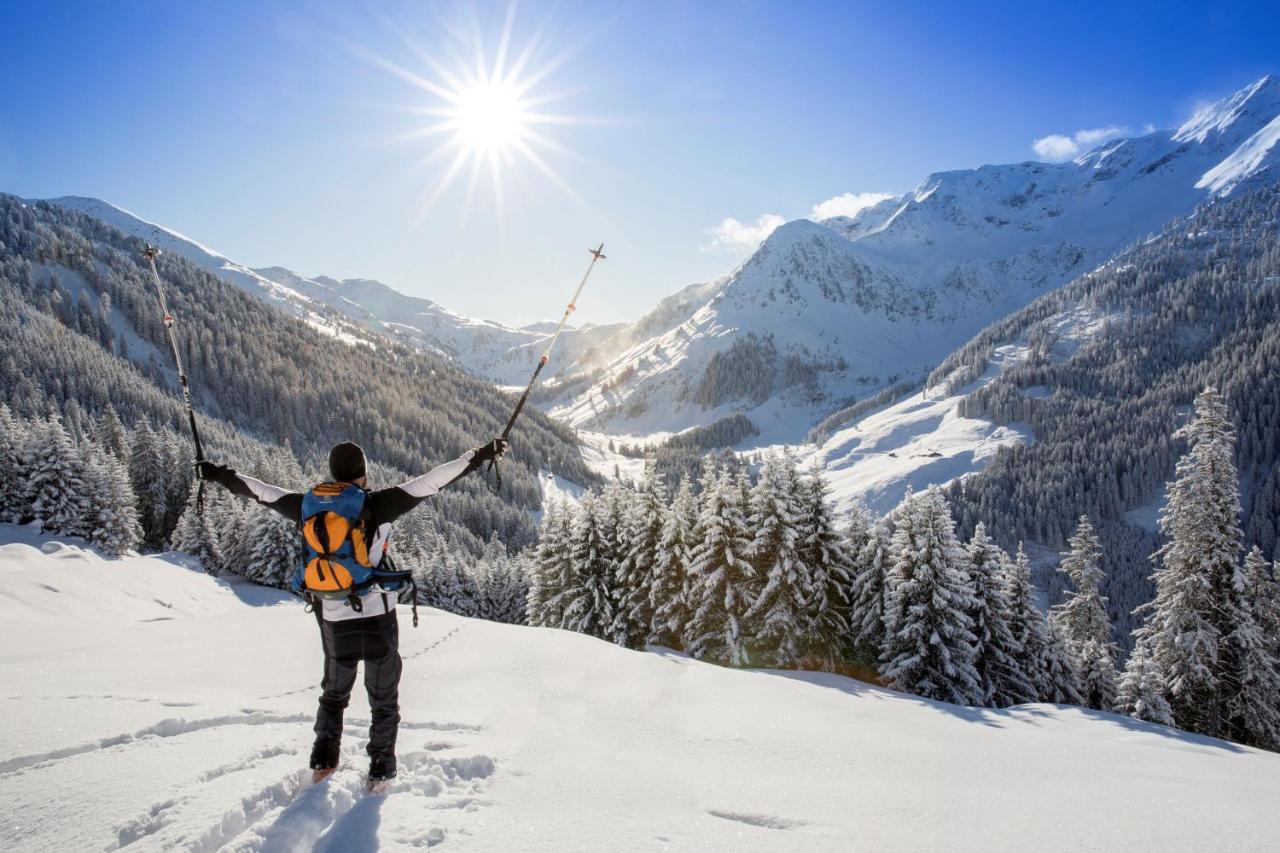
(148, 706)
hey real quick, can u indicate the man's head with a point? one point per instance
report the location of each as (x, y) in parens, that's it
(346, 462)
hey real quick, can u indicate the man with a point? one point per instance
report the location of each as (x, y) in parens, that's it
(361, 627)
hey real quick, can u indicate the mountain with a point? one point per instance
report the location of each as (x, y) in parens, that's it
(342, 308)
(827, 312)
(80, 331)
(172, 710)
(1069, 406)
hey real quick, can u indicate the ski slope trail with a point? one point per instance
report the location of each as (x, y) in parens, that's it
(148, 706)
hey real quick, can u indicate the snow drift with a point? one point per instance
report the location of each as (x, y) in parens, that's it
(150, 706)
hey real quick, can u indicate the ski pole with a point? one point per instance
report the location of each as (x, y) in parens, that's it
(150, 253)
(596, 255)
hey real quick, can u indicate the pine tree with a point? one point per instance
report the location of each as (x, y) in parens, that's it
(1253, 704)
(929, 638)
(55, 483)
(824, 551)
(588, 607)
(722, 583)
(13, 441)
(670, 588)
(111, 435)
(1141, 693)
(867, 589)
(1198, 585)
(997, 655)
(1082, 619)
(149, 478)
(274, 551)
(1061, 670)
(553, 574)
(197, 534)
(112, 507)
(777, 617)
(644, 524)
(1029, 628)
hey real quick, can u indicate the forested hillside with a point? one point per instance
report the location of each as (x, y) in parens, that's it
(1197, 306)
(80, 330)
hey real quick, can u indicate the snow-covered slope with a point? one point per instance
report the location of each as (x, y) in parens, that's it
(827, 311)
(924, 439)
(152, 707)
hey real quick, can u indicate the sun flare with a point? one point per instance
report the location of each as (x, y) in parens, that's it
(487, 116)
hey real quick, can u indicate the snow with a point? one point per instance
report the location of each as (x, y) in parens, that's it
(923, 440)
(886, 294)
(151, 706)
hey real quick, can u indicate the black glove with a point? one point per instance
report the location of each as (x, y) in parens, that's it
(207, 470)
(491, 452)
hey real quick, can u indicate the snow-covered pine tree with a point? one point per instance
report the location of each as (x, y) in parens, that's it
(1198, 598)
(1082, 618)
(55, 484)
(274, 548)
(997, 655)
(149, 477)
(111, 436)
(197, 534)
(1141, 693)
(179, 475)
(929, 634)
(13, 440)
(825, 552)
(553, 575)
(613, 507)
(1061, 670)
(778, 616)
(644, 522)
(866, 590)
(588, 602)
(1028, 626)
(670, 588)
(1253, 704)
(722, 584)
(112, 506)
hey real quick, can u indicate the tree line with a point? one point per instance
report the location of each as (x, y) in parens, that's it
(759, 573)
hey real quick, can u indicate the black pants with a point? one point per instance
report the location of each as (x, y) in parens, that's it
(376, 641)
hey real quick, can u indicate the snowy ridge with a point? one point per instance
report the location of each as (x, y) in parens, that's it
(525, 739)
(352, 309)
(851, 305)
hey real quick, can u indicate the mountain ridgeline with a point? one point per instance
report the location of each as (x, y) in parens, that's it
(828, 312)
(80, 330)
(1199, 305)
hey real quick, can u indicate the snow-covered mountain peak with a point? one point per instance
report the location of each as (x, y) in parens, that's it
(1238, 116)
(841, 307)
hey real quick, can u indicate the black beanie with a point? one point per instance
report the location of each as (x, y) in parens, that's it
(346, 462)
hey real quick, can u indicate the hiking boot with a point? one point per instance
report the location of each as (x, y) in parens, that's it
(324, 755)
(382, 768)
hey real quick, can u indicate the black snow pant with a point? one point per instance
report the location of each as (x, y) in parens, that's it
(376, 641)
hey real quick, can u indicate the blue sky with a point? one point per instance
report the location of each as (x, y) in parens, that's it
(265, 131)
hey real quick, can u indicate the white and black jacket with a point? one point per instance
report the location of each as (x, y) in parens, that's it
(385, 506)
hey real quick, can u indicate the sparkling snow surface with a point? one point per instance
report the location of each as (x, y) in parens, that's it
(149, 707)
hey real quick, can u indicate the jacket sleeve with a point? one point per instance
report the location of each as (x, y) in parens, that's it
(288, 504)
(390, 504)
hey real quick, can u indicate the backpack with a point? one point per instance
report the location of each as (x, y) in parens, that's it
(336, 523)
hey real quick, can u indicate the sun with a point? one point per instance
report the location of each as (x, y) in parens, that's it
(488, 115)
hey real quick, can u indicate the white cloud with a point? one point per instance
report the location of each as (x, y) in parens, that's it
(1056, 148)
(845, 204)
(734, 236)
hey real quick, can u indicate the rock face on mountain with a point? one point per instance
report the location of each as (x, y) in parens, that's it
(826, 311)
